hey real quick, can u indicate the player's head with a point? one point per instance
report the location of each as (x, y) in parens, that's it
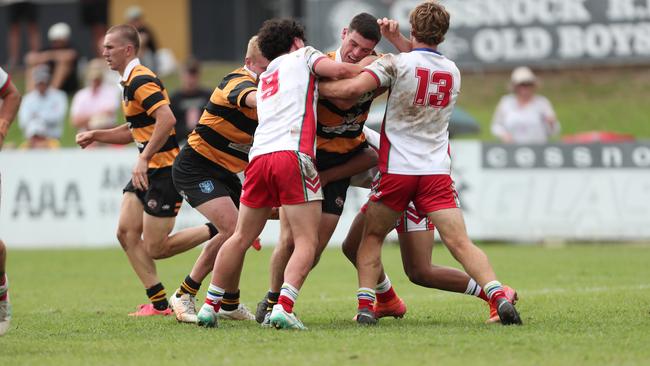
(280, 36)
(255, 61)
(359, 38)
(121, 45)
(429, 23)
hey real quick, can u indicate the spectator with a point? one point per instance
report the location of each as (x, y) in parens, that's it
(524, 117)
(60, 57)
(188, 102)
(94, 15)
(42, 112)
(148, 44)
(94, 106)
(21, 12)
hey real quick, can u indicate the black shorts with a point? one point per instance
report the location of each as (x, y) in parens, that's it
(199, 180)
(161, 199)
(22, 12)
(335, 193)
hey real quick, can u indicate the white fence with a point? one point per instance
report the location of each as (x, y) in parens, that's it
(71, 197)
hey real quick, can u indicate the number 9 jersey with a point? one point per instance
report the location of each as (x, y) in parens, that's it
(424, 86)
(286, 104)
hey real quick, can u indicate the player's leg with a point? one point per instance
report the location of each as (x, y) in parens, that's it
(230, 261)
(393, 306)
(437, 196)
(303, 220)
(380, 220)
(279, 259)
(129, 233)
(5, 306)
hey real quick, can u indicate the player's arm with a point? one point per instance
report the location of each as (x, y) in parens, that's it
(361, 162)
(165, 122)
(10, 103)
(348, 88)
(251, 99)
(390, 30)
(327, 68)
(120, 135)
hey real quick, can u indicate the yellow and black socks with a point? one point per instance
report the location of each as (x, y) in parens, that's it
(230, 301)
(271, 299)
(189, 286)
(158, 297)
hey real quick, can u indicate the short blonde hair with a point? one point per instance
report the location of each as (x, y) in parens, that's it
(253, 50)
(429, 22)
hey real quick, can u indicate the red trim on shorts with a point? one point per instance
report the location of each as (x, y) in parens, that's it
(3, 89)
(308, 126)
(374, 76)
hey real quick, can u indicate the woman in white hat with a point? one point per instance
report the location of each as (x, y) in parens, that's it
(523, 117)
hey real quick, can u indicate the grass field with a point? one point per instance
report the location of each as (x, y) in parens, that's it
(612, 99)
(582, 305)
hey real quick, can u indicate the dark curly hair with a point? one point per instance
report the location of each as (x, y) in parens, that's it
(276, 36)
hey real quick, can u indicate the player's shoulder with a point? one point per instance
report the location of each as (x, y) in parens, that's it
(236, 76)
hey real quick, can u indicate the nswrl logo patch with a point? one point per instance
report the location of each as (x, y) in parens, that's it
(206, 186)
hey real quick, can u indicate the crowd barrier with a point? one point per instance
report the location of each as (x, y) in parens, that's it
(71, 198)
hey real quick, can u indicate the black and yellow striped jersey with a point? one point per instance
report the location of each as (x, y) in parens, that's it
(339, 132)
(143, 94)
(224, 134)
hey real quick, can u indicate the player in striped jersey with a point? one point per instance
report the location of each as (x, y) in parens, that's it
(281, 171)
(9, 103)
(150, 202)
(340, 140)
(205, 174)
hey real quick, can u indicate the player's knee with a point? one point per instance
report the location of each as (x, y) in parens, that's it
(349, 251)
(124, 236)
(156, 249)
(416, 275)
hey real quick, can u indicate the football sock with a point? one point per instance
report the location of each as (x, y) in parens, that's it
(366, 298)
(474, 289)
(214, 296)
(272, 299)
(385, 291)
(230, 301)
(494, 290)
(213, 229)
(189, 286)
(157, 296)
(288, 296)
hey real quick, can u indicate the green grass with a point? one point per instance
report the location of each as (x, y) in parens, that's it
(612, 99)
(582, 305)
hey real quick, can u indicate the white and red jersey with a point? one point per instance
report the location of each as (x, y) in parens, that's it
(286, 104)
(4, 81)
(424, 86)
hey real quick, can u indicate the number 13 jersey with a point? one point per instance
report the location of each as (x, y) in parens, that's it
(423, 88)
(286, 104)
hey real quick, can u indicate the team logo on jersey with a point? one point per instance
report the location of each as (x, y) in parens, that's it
(206, 186)
(339, 201)
(152, 204)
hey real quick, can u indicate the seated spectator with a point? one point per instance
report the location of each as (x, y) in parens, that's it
(188, 102)
(94, 106)
(42, 113)
(60, 57)
(524, 117)
(148, 44)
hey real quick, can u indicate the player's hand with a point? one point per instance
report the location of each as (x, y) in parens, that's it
(139, 174)
(389, 28)
(85, 138)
